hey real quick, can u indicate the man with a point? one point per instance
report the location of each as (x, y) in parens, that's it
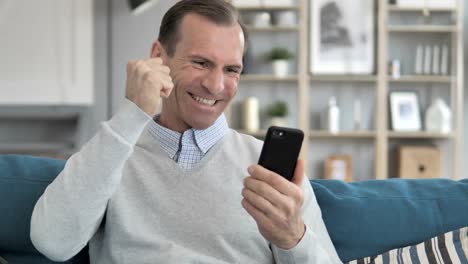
(173, 189)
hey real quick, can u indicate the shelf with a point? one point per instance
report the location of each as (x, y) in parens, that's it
(422, 79)
(395, 8)
(418, 135)
(268, 77)
(35, 147)
(343, 78)
(39, 116)
(417, 28)
(268, 8)
(273, 29)
(344, 134)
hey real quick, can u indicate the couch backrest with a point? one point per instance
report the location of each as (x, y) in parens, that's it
(363, 218)
(371, 217)
(23, 179)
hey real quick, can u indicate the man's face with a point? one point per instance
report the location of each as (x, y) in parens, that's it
(205, 69)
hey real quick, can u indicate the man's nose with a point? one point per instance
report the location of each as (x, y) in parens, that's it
(214, 81)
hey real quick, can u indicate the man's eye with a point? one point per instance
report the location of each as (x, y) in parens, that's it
(233, 70)
(200, 63)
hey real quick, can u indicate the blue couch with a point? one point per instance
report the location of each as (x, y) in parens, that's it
(363, 218)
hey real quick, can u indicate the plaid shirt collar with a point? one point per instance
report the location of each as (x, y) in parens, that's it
(204, 139)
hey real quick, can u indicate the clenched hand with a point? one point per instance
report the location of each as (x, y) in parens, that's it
(147, 81)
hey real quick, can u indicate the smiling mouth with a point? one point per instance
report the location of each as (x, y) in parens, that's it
(203, 101)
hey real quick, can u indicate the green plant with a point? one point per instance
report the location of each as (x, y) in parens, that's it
(279, 53)
(278, 109)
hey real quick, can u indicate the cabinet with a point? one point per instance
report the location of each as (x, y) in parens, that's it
(47, 52)
(399, 30)
(46, 75)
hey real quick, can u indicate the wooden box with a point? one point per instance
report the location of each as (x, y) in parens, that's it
(418, 162)
(339, 167)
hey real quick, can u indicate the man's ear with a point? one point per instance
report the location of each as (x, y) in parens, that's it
(157, 50)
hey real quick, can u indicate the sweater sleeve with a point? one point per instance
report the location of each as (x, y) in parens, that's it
(71, 209)
(316, 245)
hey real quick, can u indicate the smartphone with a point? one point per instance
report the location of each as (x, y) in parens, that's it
(281, 149)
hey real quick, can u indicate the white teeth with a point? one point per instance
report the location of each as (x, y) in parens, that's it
(203, 100)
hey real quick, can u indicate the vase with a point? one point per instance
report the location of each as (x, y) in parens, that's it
(251, 114)
(280, 68)
(279, 121)
(438, 117)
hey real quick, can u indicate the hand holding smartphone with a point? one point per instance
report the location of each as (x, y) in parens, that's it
(281, 150)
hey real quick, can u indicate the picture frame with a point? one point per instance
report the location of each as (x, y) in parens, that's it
(339, 167)
(404, 111)
(342, 37)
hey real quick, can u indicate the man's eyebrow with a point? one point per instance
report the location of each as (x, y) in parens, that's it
(197, 56)
(234, 66)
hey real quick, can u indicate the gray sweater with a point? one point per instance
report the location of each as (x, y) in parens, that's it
(158, 213)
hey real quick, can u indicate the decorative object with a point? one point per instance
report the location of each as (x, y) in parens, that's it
(436, 60)
(418, 162)
(418, 63)
(404, 109)
(277, 112)
(438, 117)
(285, 18)
(444, 60)
(333, 116)
(342, 37)
(280, 61)
(250, 114)
(339, 167)
(246, 3)
(357, 115)
(262, 20)
(427, 60)
(395, 69)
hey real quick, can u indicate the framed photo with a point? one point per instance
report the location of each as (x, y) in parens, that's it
(404, 111)
(342, 37)
(339, 167)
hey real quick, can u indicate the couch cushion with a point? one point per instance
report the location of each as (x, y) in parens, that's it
(22, 181)
(371, 217)
(451, 247)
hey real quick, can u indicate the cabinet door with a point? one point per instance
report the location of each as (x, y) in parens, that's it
(46, 52)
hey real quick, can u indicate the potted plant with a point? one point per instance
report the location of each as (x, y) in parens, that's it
(280, 60)
(278, 112)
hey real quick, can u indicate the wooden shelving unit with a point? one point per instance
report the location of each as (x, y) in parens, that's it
(343, 135)
(343, 78)
(268, 8)
(422, 29)
(378, 135)
(422, 79)
(418, 135)
(35, 147)
(395, 8)
(272, 29)
(268, 78)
